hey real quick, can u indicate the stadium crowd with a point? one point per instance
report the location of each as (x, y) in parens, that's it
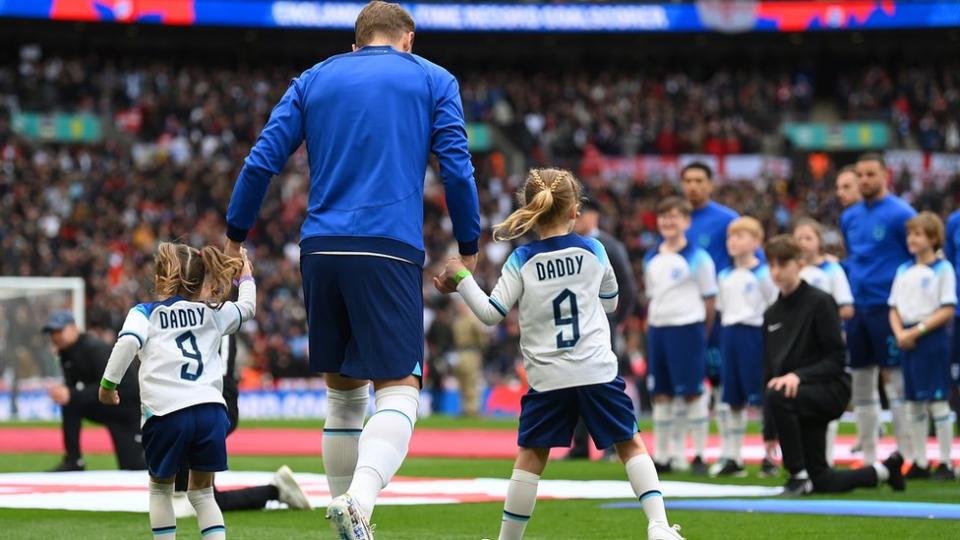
(178, 135)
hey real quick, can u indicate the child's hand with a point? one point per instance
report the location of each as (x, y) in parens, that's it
(445, 281)
(454, 265)
(247, 269)
(109, 397)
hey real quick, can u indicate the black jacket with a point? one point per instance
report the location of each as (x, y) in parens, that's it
(802, 335)
(626, 282)
(83, 365)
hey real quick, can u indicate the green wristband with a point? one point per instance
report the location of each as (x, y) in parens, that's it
(460, 276)
(104, 383)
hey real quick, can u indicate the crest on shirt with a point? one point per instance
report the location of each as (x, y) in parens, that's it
(676, 273)
(879, 232)
(704, 240)
(925, 282)
(748, 289)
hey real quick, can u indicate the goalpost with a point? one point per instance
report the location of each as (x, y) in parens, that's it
(26, 360)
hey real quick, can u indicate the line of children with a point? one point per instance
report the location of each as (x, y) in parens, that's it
(564, 284)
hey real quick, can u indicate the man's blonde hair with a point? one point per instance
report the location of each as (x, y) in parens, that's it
(383, 19)
(748, 225)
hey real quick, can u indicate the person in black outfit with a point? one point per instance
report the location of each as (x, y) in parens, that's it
(284, 487)
(807, 386)
(588, 224)
(83, 358)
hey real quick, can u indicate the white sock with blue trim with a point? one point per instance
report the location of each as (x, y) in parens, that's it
(162, 519)
(646, 485)
(943, 423)
(894, 388)
(383, 444)
(662, 431)
(919, 424)
(698, 421)
(678, 440)
(209, 516)
(346, 410)
(518, 507)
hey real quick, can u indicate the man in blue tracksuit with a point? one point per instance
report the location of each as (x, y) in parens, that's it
(951, 248)
(370, 119)
(874, 231)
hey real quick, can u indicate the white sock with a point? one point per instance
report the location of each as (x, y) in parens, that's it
(832, 429)
(721, 411)
(383, 444)
(678, 440)
(893, 387)
(162, 519)
(943, 423)
(209, 517)
(518, 507)
(662, 431)
(919, 424)
(698, 419)
(866, 405)
(802, 475)
(341, 434)
(883, 473)
(738, 430)
(646, 486)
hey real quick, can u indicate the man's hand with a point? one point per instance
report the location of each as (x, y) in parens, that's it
(109, 397)
(231, 248)
(788, 383)
(60, 395)
(470, 261)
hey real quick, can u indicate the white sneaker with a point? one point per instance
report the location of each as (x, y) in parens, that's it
(347, 520)
(657, 531)
(290, 491)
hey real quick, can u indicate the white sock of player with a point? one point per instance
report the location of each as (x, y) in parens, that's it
(698, 421)
(162, 519)
(384, 443)
(942, 421)
(678, 439)
(341, 434)
(738, 429)
(662, 431)
(901, 426)
(919, 422)
(832, 429)
(646, 486)
(209, 516)
(722, 412)
(866, 405)
(518, 507)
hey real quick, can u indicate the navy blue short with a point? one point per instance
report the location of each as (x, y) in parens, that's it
(742, 348)
(677, 357)
(194, 437)
(926, 368)
(547, 419)
(365, 315)
(870, 339)
(715, 353)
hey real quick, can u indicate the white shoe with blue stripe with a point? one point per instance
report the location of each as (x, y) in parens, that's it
(659, 531)
(347, 520)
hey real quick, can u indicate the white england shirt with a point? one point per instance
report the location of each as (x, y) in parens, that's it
(830, 278)
(745, 293)
(677, 284)
(920, 289)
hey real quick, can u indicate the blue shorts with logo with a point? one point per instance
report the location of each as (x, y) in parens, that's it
(676, 356)
(548, 419)
(926, 368)
(742, 347)
(870, 338)
(194, 438)
(365, 315)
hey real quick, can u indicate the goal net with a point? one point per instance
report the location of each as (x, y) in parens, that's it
(27, 363)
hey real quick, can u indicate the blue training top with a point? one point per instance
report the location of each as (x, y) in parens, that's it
(876, 239)
(708, 231)
(370, 119)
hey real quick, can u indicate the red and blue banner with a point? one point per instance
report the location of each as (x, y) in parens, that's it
(701, 16)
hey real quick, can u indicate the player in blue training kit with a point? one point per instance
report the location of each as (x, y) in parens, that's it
(708, 231)
(922, 306)
(951, 250)
(874, 231)
(370, 120)
(564, 284)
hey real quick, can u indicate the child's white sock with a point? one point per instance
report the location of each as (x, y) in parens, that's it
(162, 519)
(518, 507)
(209, 516)
(646, 485)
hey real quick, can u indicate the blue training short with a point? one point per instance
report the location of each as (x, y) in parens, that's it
(547, 419)
(677, 359)
(195, 437)
(742, 348)
(365, 315)
(926, 368)
(870, 338)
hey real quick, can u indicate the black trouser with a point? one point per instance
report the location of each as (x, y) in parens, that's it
(251, 498)
(122, 422)
(801, 424)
